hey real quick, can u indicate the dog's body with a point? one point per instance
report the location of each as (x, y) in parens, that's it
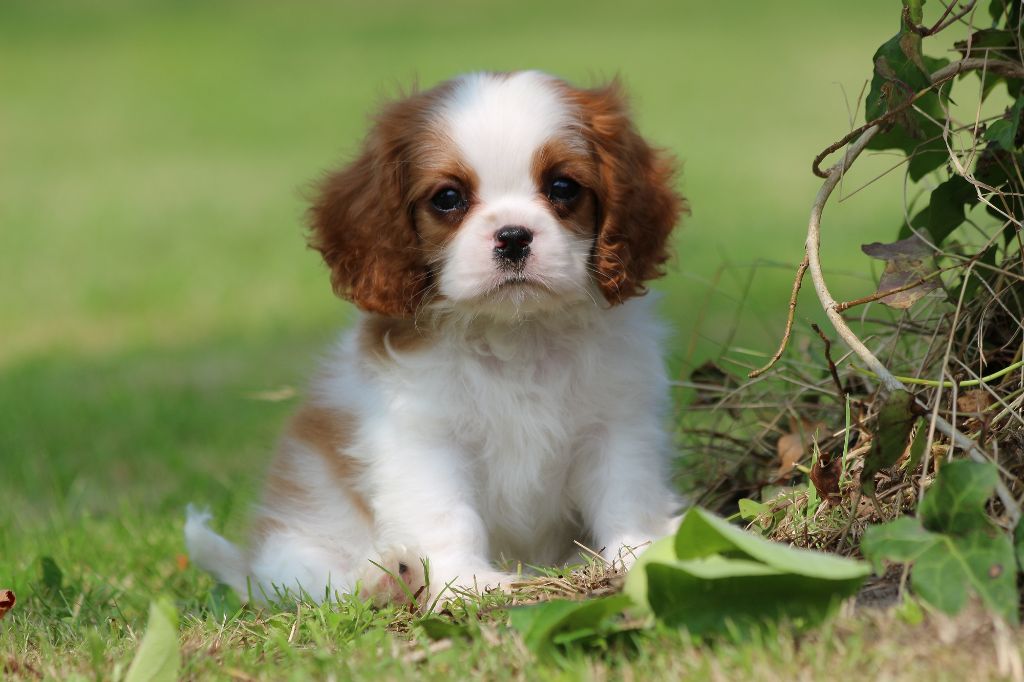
(490, 404)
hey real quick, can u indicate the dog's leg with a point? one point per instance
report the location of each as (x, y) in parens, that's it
(621, 487)
(422, 498)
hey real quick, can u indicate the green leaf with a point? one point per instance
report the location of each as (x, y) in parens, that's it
(436, 628)
(1003, 132)
(892, 431)
(956, 551)
(946, 209)
(994, 43)
(982, 562)
(702, 534)
(916, 8)
(917, 447)
(663, 550)
(899, 73)
(918, 136)
(712, 574)
(51, 577)
(955, 503)
(547, 626)
(751, 509)
(708, 595)
(997, 9)
(902, 540)
(158, 657)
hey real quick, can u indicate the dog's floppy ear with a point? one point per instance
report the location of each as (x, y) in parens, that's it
(638, 202)
(361, 220)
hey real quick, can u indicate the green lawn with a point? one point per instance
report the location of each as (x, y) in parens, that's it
(154, 280)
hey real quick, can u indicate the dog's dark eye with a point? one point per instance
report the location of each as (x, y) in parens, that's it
(563, 190)
(447, 200)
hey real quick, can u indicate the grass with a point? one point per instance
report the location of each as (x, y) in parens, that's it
(155, 286)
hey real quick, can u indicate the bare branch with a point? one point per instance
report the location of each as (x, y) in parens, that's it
(797, 282)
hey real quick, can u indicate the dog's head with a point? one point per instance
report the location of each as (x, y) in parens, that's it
(498, 193)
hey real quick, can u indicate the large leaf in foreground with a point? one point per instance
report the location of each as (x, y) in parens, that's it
(713, 574)
(710, 595)
(702, 530)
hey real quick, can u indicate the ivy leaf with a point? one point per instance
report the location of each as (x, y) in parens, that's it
(954, 548)
(946, 209)
(1004, 131)
(955, 503)
(158, 657)
(997, 9)
(901, 72)
(993, 43)
(895, 421)
(902, 540)
(982, 563)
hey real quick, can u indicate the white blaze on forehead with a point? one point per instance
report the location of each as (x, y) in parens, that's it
(498, 122)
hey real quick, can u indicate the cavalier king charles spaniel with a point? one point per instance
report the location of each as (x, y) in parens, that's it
(502, 396)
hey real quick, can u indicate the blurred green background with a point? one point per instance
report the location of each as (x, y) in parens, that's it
(153, 157)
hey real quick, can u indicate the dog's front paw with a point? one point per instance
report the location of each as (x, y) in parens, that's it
(623, 552)
(397, 578)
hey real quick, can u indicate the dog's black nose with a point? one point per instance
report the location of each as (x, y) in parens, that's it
(512, 243)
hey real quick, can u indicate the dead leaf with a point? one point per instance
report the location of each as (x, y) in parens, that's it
(907, 261)
(712, 383)
(792, 446)
(825, 476)
(274, 395)
(6, 602)
(181, 560)
(911, 247)
(974, 402)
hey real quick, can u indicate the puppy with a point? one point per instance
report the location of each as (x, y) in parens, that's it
(503, 393)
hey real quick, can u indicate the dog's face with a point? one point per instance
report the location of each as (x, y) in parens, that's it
(497, 193)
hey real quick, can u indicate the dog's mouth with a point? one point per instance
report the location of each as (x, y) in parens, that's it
(522, 283)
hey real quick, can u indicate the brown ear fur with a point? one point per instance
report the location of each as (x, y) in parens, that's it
(638, 201)
(361, 219)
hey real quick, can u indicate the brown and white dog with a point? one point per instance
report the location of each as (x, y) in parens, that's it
(503, 393)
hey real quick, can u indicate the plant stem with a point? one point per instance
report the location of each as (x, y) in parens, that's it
(967, 383)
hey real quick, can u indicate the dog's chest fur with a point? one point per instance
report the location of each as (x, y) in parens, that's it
(517, 422)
